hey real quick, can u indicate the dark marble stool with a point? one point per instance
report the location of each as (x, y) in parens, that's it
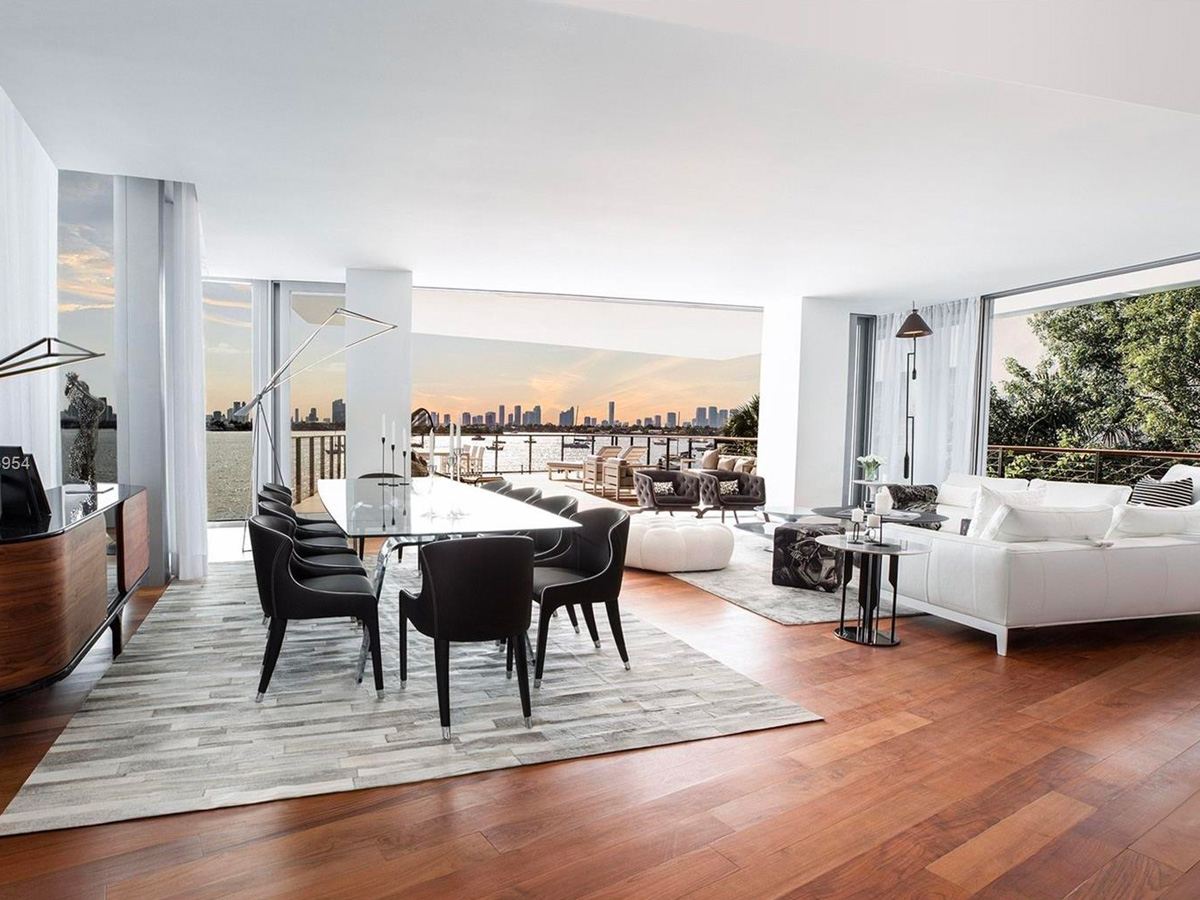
(799, 561)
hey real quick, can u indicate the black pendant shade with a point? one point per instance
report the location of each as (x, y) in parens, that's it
(914, 327)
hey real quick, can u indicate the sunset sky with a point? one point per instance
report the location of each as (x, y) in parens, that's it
(450, 374)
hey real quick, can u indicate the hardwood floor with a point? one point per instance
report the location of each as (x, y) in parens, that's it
(1070, 769)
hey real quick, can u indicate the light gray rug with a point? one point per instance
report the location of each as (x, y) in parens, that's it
(173, 727)
(746, 582)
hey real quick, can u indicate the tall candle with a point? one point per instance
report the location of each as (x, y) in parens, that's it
(393, 432)
(383, 426)
(883, 502)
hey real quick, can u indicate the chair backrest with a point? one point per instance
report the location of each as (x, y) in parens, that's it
(478, 589)
(272, 507)
(270, 539)
(390, 476)
(503, 486)
(525, 494)
(635, 455)
(276, 494)
(559, 505)
(600, 546)
(277, 488)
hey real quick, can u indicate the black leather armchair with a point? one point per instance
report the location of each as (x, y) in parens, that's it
(288, 589)
(750, 495)
(587, 571)
(474, 590)
(683, 495)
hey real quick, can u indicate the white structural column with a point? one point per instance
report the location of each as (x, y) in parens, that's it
(138, 356)
(378, 372)
(804, 382)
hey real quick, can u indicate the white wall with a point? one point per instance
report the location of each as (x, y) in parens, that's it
(28, 288)
(378, 372)
(804, 381)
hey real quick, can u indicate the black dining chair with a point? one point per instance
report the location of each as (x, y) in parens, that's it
(547, 544)
(288, 588)
(276, 487)
(474, 590)
(306, 527)
(588, 570)
(503, 486)
(317, 559)
(525, 494)
(310, 543)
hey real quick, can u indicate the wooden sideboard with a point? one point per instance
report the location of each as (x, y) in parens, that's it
(58, 592)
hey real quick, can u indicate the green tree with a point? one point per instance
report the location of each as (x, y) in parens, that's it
(743, 421)
(1120, 373)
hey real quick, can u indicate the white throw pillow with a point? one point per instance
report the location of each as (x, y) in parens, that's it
(1015, 525)
(1081, 493)
(1133, 520)
(990, 500)
(958, 495)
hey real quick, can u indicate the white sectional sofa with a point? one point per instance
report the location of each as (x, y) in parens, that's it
(997, 586)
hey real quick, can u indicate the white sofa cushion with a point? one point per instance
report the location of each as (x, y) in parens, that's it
(991, 499)
(1016, 524)
(677, 545)
(961, 490)
(1179, 471)
(1132, 520)
(1075, 493)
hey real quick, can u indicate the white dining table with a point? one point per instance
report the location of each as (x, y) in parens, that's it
(419, 510)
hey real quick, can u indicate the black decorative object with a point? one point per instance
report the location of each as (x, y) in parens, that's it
(800, 562)
(914, 327)
(44, 353)
(22, 497)
(89, 410)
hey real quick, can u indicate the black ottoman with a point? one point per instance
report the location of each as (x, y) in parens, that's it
(799, 561)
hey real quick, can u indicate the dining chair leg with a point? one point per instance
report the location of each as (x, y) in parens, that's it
(519, 640)
(441, 663)
(274, 642)
(528, 647)
(364, 648)
(614, 623)
(372, 624)
(590, 618)
(542, 637)
(403, 648)
(508, 663)
(573, 618)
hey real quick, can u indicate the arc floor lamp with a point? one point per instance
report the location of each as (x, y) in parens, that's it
(913, 327)
(282, 375)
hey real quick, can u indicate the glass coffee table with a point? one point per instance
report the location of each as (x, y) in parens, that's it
(866, 629)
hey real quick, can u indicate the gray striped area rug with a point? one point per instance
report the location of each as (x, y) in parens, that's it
(173, 727)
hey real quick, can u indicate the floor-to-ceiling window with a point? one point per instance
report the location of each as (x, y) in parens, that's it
(227, 378)
(1096, 380)
(86, 314)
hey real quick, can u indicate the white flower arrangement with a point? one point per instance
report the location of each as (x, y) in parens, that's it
(871, 464)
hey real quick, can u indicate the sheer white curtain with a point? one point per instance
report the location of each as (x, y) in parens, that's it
(943, 393)
(28, 288)
(183, 314)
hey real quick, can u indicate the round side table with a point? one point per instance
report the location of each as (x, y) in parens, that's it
(866, 629)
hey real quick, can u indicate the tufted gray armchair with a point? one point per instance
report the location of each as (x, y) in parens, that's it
(750, 496)
(684, 496)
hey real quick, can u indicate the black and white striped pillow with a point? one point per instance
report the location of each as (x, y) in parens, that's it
(1149, 492)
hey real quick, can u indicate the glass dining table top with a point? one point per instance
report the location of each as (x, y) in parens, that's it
(430, 507)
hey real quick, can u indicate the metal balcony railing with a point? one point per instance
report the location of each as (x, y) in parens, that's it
(1091, 464)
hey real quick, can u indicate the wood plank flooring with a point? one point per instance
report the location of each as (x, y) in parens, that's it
(1070, 769)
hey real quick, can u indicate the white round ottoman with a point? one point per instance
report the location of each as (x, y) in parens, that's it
(664, 544)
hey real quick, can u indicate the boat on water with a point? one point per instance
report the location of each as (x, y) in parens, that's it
(495, 445)
(479, 437)
(577, 445)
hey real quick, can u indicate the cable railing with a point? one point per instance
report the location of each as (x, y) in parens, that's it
(1098, 465)
(320, 455)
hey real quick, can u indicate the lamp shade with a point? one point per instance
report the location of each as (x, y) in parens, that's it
(914, 327)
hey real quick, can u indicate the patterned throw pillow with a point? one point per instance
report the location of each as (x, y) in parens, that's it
(664, 488)
(916, 498)
(1149, 492)
(728, 488)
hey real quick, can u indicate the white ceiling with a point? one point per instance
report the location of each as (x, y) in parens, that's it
(731, 152)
